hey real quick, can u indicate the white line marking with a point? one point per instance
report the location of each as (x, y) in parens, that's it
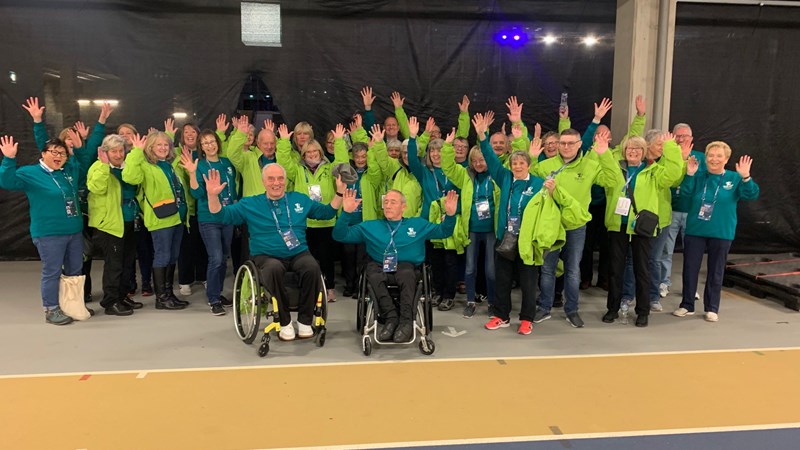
(141, 375)
(419, 361)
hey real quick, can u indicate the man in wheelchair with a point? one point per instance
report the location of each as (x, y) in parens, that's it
(396, 246)
(277, 225)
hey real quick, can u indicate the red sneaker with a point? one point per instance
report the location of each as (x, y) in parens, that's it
(525, 327)
(495, 323)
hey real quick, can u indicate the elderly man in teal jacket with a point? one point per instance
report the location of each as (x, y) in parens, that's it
(396, 246)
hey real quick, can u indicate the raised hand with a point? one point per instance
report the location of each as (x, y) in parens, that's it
(8, 146)
(692, 164)
(244, 124)
(602, 109)
(743, 166)
(377, 134)
(550, 184)
(397, 101)
(450, 136)
(222, 123)
(338, 132)
(269, 125)
(489, 118)
(479, 124)
(463, 105)
(413, 127)
(138, 141)
(32, 106)
(451, 203)
(640, 105)
(187, 162)
(102, 156)
(687, 146)
(516, 131)
(514, 109)
(350, 202)
(601, 139)
(537, 131)
(667, 137)
(367, 97)
(535, 149)
(341, 186)
(213, 185)
(152, 130)
(430, 125)
(75, 138)
(105, 112)
(563, 113)
(283, 132)
(81, 129)
(169, 126)
(357, 123)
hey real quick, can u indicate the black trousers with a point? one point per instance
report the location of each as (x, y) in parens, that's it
(144, 254)
(528, 282)
(596, 235)
(619, 241)
(323, 247)
(193, 259)
(118, 258)
(405, 278)
(354, 257)
(445, 271)
(240, 246)
(273, 271)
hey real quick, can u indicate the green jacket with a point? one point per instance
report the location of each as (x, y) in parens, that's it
(399, 178)
(542, 228)
(154, 187)
(246, 163)
(372, 181)
(302, 177)
(648, 182)
(106, 200)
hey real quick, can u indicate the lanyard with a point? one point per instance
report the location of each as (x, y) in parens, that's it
(705, 185)
(558, 171)
(485, 187)
(227, 179)
(391, 236)
(288, 215)
(436, 180)
(521, 197)
(60, 189)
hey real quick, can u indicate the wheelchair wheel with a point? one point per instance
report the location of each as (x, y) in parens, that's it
(366, 345)
(361, 306)
(263, 349)
(247, 302)
(426, 346)
(428, 305)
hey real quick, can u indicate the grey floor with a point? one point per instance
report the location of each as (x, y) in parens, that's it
(193, 338)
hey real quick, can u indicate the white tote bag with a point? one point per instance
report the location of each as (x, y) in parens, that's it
(70, 297)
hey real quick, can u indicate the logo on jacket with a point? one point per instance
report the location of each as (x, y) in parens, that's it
(728, 185)
(411, 232)
(230, 171)
(579, 176)
(298, 208)
(528, 191)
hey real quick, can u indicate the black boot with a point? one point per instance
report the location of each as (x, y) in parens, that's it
(170, 277)
(162, 299)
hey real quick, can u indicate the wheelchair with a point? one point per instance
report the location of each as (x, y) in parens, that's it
(251, 301)
(368, 318)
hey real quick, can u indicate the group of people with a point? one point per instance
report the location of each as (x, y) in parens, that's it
(514, 209)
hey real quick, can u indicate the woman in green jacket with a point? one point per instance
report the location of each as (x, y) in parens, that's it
(149, 164)
(112, 209)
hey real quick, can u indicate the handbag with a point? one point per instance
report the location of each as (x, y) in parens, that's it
(645, 223)
(164, 208)
(70, 297)
(508, 247)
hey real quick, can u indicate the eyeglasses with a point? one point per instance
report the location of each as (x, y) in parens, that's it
(683, 136)
(551, 144)
(568, 144)
(56, 153)
(636, 148)
(207, 143)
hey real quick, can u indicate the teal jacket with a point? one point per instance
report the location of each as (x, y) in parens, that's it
(49, 193)
(292, 212)
(645, 186)
(112, 202)
(157, 182)
(227, 174)
(723, 191)
(370, 180)
(682, 203)
(474, 187)
(409, 236)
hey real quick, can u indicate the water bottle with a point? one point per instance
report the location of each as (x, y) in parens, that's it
(624, 308)
(563, 106)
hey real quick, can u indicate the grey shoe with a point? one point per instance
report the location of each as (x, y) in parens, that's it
(469, 310)
(57, 317)
(575, 320)
(540, 316)
(446, 304)
(656, 306)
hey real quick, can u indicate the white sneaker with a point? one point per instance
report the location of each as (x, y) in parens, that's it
(663, 290)
(185, 289)
(712, 317)
(656, 306)
(287, 333)
(682, 312)
(304, 331)
(697, 296)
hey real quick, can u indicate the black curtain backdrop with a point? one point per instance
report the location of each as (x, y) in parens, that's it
(732, 80)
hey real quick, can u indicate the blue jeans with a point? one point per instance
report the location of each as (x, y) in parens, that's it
(657, 275)
(678, 225)
(488, 239)
(57, 252)
(217, 238)
(166, 245)
(573, 251)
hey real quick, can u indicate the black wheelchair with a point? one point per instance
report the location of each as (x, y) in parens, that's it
(368, 318)
(251, 300)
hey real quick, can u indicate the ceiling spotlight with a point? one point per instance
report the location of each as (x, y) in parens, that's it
(179, 115)
(549, 39)
(516, 37)
(84, 102)
(590, 41)
(504, 37)
(99, 102)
